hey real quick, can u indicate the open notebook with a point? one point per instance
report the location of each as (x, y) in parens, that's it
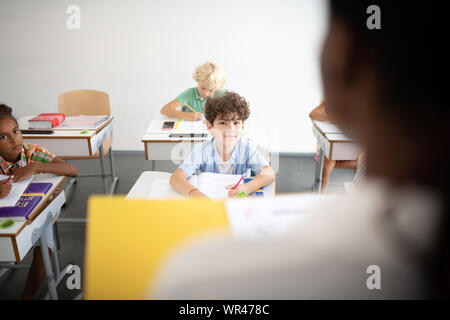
(16, 192)
(211, 184)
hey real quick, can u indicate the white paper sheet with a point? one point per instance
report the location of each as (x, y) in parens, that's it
(269, 217)
(16, 191)
(213, 184)
(82, 122)
(192, 126)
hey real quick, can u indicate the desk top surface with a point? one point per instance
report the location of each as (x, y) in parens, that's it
(142, 186)
(331, 132)
(44, 177)
(85, 133)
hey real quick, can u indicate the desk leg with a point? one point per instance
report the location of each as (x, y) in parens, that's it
(51, 284)
(113, 172)
(318, 173)
(102, 168)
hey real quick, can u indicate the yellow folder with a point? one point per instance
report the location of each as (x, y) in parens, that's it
(127, 240)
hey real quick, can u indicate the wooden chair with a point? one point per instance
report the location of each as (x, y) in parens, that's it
(91, 103)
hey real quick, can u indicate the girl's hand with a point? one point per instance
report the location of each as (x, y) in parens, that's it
(25, 172)
(192, 116)
(5, 188)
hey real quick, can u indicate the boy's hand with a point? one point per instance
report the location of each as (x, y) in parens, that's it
(5, 188)
(233, 193)
(25, 172)
(192, 116)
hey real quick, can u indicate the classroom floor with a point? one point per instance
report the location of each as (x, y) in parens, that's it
(296, 174)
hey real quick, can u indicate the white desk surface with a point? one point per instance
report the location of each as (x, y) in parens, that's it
(157, 121)
(23, 124)
(143, 185)
(43, 177)
(72, 143)
(338, 137)
(326, 127)
(62, 134)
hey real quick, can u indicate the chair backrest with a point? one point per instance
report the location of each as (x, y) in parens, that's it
(84, 102)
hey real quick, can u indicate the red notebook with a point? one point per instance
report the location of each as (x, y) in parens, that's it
(46, 120)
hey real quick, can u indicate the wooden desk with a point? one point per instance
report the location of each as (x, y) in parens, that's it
(143, 185)
(17, 240)
(75, 144)
(333, 144)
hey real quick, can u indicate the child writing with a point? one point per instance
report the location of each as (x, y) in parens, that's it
(21, 160)
(226, 152)
(210, 77)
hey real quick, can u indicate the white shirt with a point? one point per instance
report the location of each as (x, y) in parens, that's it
(225, 167)
(327, 256)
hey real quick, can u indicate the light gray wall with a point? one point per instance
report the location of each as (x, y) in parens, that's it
(143, 54)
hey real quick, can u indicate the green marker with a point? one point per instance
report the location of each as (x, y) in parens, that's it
(83, 132)
(242, 194)
(6, 224)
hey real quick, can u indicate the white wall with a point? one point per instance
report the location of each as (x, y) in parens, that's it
(143, 52)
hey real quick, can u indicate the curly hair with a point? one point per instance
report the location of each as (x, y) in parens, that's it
(6, 111)
(224, 105)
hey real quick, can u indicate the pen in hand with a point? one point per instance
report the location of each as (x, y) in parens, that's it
(237, 183)
(8, 180)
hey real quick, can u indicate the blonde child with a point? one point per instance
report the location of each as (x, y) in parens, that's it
(227, 152)
(210, 77)
(21, 160)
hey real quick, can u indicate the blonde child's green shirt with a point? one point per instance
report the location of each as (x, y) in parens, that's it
(192, 98)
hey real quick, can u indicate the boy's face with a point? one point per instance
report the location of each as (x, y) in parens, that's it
(11, 141)
(227, 130)
(204, 90)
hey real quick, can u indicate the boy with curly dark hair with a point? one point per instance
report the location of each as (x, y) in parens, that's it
(226, 152)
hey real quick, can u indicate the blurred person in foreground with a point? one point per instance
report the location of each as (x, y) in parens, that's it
(384, 87)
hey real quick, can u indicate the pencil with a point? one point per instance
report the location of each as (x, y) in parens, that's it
(179, 120)
(188, 106)
(238, 183)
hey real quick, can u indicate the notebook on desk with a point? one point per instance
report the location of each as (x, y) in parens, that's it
(17, 189)
(28, 201)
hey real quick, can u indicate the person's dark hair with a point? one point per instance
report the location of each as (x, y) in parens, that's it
(6, 111)
(224, 105)
(410, 60)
